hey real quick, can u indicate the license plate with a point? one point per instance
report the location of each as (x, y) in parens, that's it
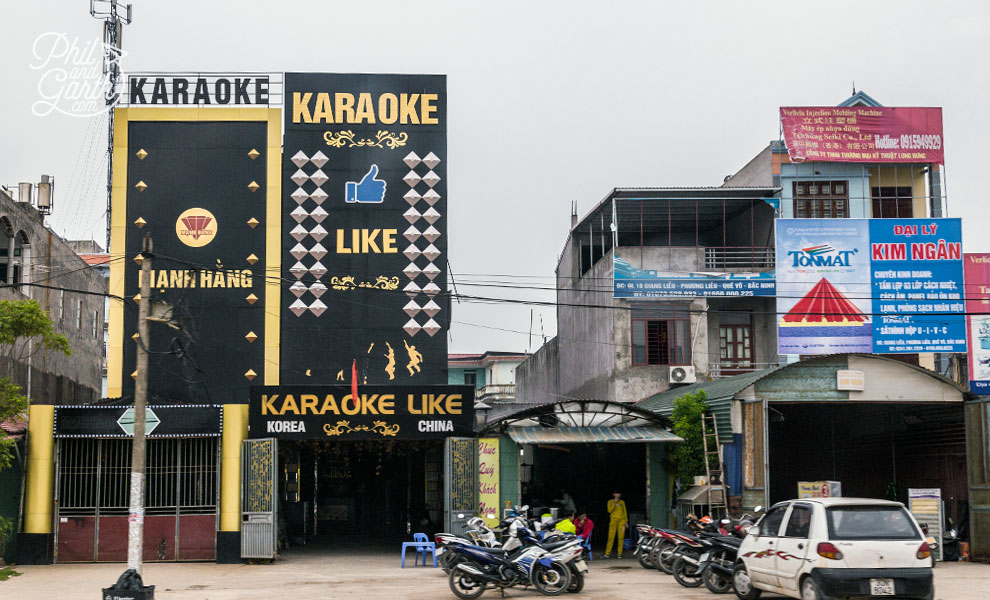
(581, 566)
(703, 557)
(881, 587)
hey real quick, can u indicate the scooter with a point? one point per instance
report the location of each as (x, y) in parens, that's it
(526, 563)
(715, 565)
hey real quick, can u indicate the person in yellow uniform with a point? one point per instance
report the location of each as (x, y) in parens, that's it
(618, 520)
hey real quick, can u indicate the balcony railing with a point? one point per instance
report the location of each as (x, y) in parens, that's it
(754, 258)
(718, 370)
(497, 392)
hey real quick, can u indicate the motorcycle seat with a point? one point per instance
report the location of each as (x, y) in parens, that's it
(555, 545)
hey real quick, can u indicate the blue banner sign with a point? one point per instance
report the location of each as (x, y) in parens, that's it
(632, 282)
(870, 285)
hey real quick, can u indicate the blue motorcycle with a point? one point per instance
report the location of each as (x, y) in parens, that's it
(527, 563)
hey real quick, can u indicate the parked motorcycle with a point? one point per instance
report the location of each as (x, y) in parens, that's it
(717, 563)
(522, 562)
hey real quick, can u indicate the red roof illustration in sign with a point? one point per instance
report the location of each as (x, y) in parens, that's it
(826, 305)
(196, 225)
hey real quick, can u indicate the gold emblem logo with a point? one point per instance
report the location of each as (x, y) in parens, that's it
(196, 227)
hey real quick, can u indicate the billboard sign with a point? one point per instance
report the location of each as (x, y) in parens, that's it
(869, 285)
(874, 134)
(632, 282)
(977, 273)
(382, 412)
(364, 234)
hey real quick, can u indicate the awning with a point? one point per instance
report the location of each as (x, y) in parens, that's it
(565, 435)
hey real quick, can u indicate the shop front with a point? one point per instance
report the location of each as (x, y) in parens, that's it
(345, 472)
(92, 472)
(876, 425)
(581, 452)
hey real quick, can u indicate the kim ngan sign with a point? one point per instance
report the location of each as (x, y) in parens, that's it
(870, 285)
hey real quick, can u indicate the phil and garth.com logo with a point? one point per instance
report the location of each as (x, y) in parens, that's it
(74, 77)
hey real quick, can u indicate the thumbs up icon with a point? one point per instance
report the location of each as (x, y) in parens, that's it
(368, 191)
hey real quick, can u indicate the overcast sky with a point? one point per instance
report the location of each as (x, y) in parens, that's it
(549, 102)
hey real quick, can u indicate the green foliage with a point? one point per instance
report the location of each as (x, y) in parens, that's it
(688, 457)
(24, 320)
(24, 329)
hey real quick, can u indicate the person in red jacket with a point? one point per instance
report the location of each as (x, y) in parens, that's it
(584, 526)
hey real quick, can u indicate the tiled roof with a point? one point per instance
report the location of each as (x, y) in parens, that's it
(96, 259)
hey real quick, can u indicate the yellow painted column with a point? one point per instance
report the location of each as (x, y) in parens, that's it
(39, 495)
(235, 431)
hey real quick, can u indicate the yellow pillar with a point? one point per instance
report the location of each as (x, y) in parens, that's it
(235, 431)
(39, 495)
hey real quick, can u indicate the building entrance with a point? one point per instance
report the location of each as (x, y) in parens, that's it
(874, 450)
(334, 495)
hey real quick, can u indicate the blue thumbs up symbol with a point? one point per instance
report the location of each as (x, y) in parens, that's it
(368, 191)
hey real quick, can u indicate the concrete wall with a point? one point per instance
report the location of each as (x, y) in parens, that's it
(55, 378)
(757, 172)
(584, 329)
(538, 378)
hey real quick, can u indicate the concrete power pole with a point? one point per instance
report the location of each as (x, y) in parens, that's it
(135, 529)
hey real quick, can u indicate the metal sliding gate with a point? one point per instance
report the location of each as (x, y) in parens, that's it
(92, 499)
(259, 498)
(460, 482)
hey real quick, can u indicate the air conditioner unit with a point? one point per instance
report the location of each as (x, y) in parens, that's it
(682, 374)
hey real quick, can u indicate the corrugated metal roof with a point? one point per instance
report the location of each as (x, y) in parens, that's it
(720, 393)
(577, 435)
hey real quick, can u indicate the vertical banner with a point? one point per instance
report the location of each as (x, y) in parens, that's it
(364, 238)
(977, 274)
(823, 286)
(926, 506)
(488, 474)
(917, 279)
(870, 285)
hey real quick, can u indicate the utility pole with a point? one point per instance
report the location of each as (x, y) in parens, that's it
(135, 528)
(113, 25)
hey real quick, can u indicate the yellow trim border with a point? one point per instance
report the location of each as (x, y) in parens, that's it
(119, 224)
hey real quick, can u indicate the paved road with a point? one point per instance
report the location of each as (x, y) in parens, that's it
(321, 577)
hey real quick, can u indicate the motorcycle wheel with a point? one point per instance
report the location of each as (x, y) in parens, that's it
(577, 582)
(553, 580)
(644, 557)
(686, 573)
(715, 581)
(664, 558)
(465, 586)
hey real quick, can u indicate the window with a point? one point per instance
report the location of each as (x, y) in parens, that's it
(770, 525)
(799, 523)
(471, 378)
(821, 199)
(735, 342)
(96, 324)
(661, 334)
(892, 202)
(61, 305)
(79, 314)
(870, 523)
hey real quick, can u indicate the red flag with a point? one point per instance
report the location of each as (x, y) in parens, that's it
(354, 392)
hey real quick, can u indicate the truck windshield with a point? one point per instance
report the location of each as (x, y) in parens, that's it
(871, 523)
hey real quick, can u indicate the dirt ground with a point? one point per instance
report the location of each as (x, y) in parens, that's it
(301, 576)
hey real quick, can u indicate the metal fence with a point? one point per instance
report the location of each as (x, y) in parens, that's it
(180, 476)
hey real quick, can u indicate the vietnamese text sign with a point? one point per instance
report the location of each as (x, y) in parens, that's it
(977, 273)
(328, 412)
(869, 285)
(863, 134)
(632, 282)
(488, 475)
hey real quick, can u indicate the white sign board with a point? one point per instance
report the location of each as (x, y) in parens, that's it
(847, 380)
(926, 506)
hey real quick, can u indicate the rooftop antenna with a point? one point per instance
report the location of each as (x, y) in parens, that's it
(114, 17)
(854, 87)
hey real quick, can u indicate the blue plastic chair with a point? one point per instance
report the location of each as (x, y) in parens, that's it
(587, 546)
(421, 544)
